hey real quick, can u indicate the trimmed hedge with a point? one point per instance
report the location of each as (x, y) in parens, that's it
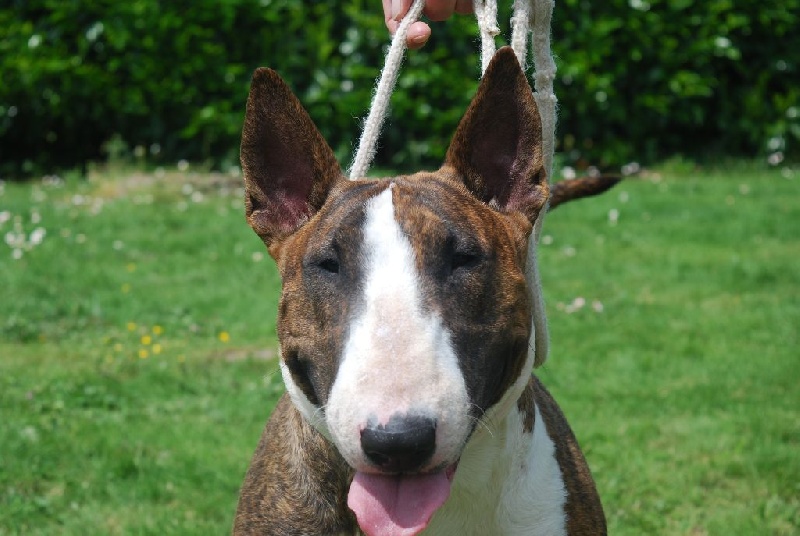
(638, 80)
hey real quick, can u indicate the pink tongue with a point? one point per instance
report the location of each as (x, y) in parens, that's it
(396, 505)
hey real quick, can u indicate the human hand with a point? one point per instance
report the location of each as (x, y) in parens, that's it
(435, 10)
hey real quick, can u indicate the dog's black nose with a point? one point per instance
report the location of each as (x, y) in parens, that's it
(403, 444)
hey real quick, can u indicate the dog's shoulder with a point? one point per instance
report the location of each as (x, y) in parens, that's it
(296, 484)
(584, 511)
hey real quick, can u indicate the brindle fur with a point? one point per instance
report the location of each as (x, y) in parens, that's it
(297, 483)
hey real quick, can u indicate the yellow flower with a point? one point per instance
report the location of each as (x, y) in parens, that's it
(131, 326)
(158, 330)
(143, 354)
(224, 336)
(156, 349)
(147, 340)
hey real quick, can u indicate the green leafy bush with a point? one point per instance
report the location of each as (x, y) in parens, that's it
(638, 80)
(651, 78)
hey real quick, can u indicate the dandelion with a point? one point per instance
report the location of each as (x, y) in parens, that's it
(158, 330)
(147, 340)
(143, 354)
(156, 349)
(631, 168)
(131, 326)
(12, 238)
(37, 235)
(576, 305)
(224, 336)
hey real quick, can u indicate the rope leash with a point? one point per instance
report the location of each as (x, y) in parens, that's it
(367, 145)
(486, 13)
(535, 14)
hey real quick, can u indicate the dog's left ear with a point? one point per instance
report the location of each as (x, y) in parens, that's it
(288, 167)
(497, 148)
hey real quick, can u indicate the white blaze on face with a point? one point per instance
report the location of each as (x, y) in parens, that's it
(398, 358)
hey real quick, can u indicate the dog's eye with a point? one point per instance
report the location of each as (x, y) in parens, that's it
(463, 259)
(329, 265)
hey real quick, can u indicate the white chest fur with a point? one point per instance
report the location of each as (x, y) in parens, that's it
(508, 483)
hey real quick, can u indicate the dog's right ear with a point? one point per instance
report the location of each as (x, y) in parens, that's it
(288, 167)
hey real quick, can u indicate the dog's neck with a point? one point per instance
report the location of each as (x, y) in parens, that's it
(509, 480)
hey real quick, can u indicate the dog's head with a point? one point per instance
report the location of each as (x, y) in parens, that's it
(405, 315)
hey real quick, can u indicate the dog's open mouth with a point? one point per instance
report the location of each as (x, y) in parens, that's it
(398, 505)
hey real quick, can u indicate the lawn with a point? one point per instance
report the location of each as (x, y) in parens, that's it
(137, 350)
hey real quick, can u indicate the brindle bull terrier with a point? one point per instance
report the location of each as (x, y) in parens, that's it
(404, 326)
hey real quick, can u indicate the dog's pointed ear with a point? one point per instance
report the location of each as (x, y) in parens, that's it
(497, 148)
(288, 167)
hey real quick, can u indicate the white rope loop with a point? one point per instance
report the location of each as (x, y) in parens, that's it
(520, 30)
(368, 143)
(538, 14)
(544, 75)
(486, 13)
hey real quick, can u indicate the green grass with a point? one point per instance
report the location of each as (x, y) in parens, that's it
(137, 344)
